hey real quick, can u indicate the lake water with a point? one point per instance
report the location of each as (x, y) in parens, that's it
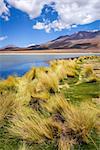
(19, 64)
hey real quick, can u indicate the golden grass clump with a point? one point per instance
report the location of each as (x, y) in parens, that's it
(60, 72)
(30, 75)
(64, 68)
(8, 105)
(53, 63)
(45, 80)
(81, 121)
(8, 85)
(73, 123)
(23, 91)
(65, 144)
(71, 68)
(64, 86)
(41, 70)
(67, 125)
(29, 125)
(55, 103)
(38, 100)
(23, 147)
(87, 74)
(45, 83)
(49, 82)
(58, 67)
(82, 59)
(42, 95)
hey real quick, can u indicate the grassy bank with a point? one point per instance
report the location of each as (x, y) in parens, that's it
(52, 108)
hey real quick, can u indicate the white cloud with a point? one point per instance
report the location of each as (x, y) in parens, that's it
(73, 12)
(40, 25)
(56, 25)
(2, 38)
(70, 12)
(4, 11)
(32, 7)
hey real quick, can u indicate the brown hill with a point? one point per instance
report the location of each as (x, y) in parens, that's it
(79, 40)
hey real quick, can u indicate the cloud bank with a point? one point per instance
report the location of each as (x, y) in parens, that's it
(70, 12)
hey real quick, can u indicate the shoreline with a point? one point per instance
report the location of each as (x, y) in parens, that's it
(52, 51)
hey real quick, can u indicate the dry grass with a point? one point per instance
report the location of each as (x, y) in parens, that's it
(8, 105)
(37, 113)
(30, 75)
(71, 68)
(23, 147)
(87, 74)
(60, 71)
(81, 121)
(49, 81)
(64, 68)
(73, 123)
(8, 85)
(29, 125)
(68, 124)
(65, 144)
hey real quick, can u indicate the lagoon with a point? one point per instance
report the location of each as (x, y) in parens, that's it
(19, 64)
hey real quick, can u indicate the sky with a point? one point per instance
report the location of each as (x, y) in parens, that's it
(28, 22)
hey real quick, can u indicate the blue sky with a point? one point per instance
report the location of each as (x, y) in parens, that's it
(21, 27)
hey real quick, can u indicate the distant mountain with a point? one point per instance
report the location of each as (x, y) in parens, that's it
(10, 47)
(78, 40)
(80, 35)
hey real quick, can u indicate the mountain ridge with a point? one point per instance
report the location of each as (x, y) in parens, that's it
(66, 42)
(77, 40)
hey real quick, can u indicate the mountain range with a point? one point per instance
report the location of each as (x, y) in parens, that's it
(78, 40)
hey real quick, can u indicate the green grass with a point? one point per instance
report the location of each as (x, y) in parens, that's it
(6, 142)
(90, 146)
(81, 92)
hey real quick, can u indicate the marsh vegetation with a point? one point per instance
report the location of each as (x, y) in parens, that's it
(52, 108)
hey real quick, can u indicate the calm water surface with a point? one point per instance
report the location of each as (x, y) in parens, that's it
(19, 64)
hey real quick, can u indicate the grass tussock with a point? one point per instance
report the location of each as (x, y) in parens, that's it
(68, 125)
(49, 81)
(8, 85)
(87, 74)
(60, 72)
(71, 68)
(65, 68)
(45, 83)
(74, 123)
(8, 105)
(30, 75)
(30, 126)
